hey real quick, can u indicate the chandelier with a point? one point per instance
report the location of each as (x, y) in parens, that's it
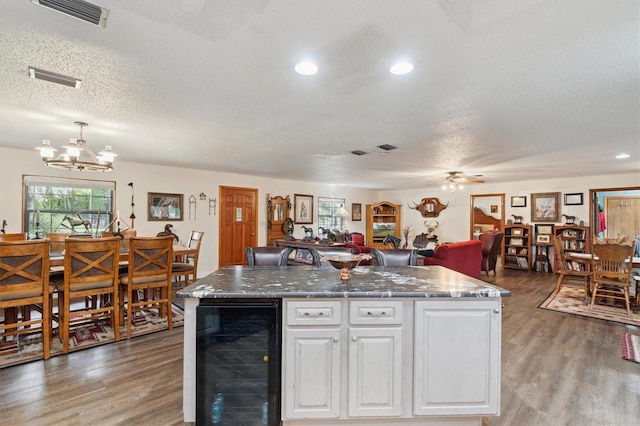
(73, 158)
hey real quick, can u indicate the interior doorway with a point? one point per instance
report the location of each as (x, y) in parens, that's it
(615, 212)
(238, 224)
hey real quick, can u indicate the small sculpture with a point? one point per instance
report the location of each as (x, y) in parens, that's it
(391, 239)
(287, 228)
(569, 220)
(308, 233)
(168, 231)
(73, 222)
(517, 220)
(4, 225)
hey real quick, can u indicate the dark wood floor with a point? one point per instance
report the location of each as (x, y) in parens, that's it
(557, 369)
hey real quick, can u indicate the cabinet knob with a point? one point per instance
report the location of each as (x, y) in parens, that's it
(335, 339)
(496, 310)
(354, 338)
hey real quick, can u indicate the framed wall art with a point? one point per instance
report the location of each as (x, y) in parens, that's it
(302, 208)
(545, 207)
(162, 207)
(573, 199)
(356, 212)
(543, 239)
(519, 201)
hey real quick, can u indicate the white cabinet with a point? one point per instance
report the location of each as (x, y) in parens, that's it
(375, 358)
(400, 361)
(312, 373)
(457, 357)
(311, 359)
(318, 369)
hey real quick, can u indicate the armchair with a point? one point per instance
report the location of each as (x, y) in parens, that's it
(491, 243)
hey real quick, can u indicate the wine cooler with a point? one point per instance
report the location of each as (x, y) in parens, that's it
(238, 362)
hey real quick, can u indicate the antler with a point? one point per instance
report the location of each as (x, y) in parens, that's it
(415, 205)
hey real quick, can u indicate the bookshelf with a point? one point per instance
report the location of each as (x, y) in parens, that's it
(574, 239)
(516, 247)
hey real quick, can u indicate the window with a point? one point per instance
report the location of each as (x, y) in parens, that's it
(67, 205)
(327, 213)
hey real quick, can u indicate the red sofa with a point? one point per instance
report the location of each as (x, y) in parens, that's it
(464, 257)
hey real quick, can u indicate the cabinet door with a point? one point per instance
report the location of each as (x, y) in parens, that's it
(375, 371)
(457, 357)
(311, 373)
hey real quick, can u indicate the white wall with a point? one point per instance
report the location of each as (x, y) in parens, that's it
(150, 178)
(455, 219)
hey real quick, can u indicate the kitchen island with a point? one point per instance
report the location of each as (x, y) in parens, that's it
(407, 345)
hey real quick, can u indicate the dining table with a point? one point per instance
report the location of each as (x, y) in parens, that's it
(56, 259)
(588, 257)
(56, 272)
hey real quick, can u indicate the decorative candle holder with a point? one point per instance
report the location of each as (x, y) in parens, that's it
(345, 263)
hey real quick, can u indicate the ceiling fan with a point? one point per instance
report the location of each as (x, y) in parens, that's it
(455, 180)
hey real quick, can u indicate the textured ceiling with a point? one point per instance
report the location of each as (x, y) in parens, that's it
(511, 90)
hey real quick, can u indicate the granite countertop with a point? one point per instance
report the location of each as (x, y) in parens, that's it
(313, 281)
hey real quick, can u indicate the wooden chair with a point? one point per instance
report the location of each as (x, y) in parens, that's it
(267, 256)
(395, 257)
(189, 267)
(566, 270)
(125, 236)
(19, 236)
(56, 241)
(611, 264)
(24, 282)
(91, 270)
(150, 260)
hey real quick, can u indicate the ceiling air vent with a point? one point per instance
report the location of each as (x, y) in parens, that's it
(79, 9)
(52, 77)
(387, 147)
(358, 152)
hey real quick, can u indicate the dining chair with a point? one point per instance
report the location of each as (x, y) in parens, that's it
(566, 270)
(91, 270)
(56, 241)
(395, 257)
(188, 267)
(611, 265)
(149, 270)
(18, 236)
(268, 255)
(324, 252)
(24, 282)
(125, 236)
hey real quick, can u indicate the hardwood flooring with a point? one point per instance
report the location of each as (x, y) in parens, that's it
(557, 369)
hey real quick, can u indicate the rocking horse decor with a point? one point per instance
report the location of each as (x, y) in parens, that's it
(79, 221)
(429, 207)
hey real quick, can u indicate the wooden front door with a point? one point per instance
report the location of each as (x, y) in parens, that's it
(238, 224)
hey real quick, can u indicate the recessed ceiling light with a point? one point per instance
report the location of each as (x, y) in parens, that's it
(401, 68)
(306, 68)
(622, 156)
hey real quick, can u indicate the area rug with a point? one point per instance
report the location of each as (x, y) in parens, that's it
(87, 336)
(570, 300)
(631, 347)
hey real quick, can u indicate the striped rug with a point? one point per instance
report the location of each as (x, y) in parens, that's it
(631, 347)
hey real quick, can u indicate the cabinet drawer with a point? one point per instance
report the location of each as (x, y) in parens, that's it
(375, 312)
(313, 313)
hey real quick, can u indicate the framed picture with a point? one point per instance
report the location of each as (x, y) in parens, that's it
(573, 199)
(356, 212)
(516, 241)
(162, 207)
(302, 208)
(519, 201)
(544, 229)
(494, 209)
(545, 207)
(543, 239)
(516, 232)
